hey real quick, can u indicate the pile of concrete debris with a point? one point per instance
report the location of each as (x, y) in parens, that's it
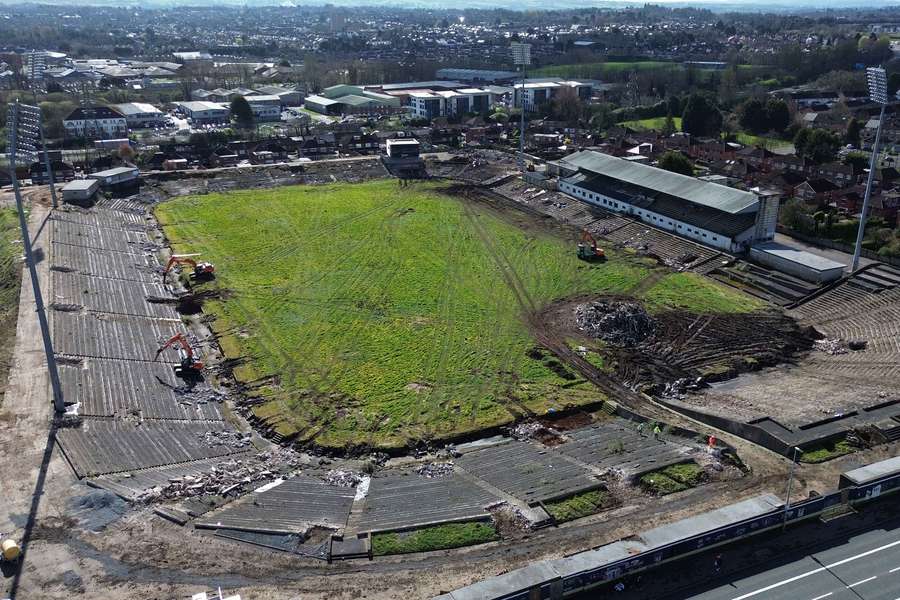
(232, 439)
(619, 323)
(835, 346)
(230, 476)
(341, 478)
(435, 470)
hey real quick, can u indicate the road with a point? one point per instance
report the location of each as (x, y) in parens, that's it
(867, 567)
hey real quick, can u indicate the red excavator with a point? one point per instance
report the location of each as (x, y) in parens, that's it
(202, 270)
(188, 367)
(587, 248)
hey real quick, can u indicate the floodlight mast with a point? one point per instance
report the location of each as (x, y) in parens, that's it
(877, 83)
(521, 57)
(23, 135)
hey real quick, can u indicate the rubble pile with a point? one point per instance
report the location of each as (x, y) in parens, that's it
(677, 389)
(619, 323)
(526, 431)
(505, 514)
(343, 478)
(232, 439)
(831, 346)
(435, 470)
(224, 478)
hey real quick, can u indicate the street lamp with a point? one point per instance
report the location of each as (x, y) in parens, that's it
(877, 82)
(787, 500)
(521, 54)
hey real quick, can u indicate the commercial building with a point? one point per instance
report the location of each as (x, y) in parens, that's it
(448, 103)
(96, 122)
(477, 75)
(537, 92)
(201, 112)
(401, 148)
(118, 178)
(139, 115)
(265, 108)
(725, 218)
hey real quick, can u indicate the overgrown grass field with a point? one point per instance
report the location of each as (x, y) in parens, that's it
(369, 314)
(10, 280)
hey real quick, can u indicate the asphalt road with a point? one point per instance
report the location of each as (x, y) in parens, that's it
(867, 567)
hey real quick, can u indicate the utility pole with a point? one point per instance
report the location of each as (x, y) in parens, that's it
(877, 80)
(522, 57)
(24, 124)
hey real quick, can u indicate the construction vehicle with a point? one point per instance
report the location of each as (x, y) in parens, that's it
(201, 270)
(188, 367)
(587, 248)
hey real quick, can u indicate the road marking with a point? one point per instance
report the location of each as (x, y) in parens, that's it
(894, 570)
(815, 571)
(823, 596)
(863, 581)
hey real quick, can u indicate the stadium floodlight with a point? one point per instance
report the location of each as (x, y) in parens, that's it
(878, 93)
(877, 82)
(521, 54)
(24, 131)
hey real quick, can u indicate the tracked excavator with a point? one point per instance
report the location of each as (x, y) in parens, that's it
(201, 270)
(587, 248)
(189, 366)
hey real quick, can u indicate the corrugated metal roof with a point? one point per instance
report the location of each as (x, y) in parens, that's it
(687, 188)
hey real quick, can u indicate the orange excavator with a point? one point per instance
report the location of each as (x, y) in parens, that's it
(587, 248)
(202, 270)
(189, 367)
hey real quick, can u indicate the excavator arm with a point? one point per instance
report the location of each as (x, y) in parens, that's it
(178, 260)
(189, 366)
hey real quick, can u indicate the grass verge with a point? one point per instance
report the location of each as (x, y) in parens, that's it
(436, 537)
(578, 506)
(10, 282)
(674, 478)
(826, 452)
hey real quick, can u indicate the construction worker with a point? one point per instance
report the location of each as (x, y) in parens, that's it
(656, 431)
(717, 563)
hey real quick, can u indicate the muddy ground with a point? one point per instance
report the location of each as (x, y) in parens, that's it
(687, 346)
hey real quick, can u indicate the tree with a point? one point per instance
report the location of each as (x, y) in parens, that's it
(676, 162)
(792, 213)
(818, 145)
(858, 160)
(567, 106)
(701, 117)
(752, 116)
(851, 134)
(669, 125)
(242, 113)
(778, 114)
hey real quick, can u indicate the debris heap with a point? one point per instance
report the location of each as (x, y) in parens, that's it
(618, 323)
(435, 470)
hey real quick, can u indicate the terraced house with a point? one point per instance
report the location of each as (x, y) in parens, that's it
(709, 213)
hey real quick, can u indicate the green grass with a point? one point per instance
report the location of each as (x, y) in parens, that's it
(770, 143)
(656, 123)
(10, 280)
(438, 537)
(595, 69)
(685, 291)
(369, 314)
(826, 452)
(674, 478)
(578, 506)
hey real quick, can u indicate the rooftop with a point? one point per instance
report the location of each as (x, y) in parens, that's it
(711, 195)
(807, 259)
